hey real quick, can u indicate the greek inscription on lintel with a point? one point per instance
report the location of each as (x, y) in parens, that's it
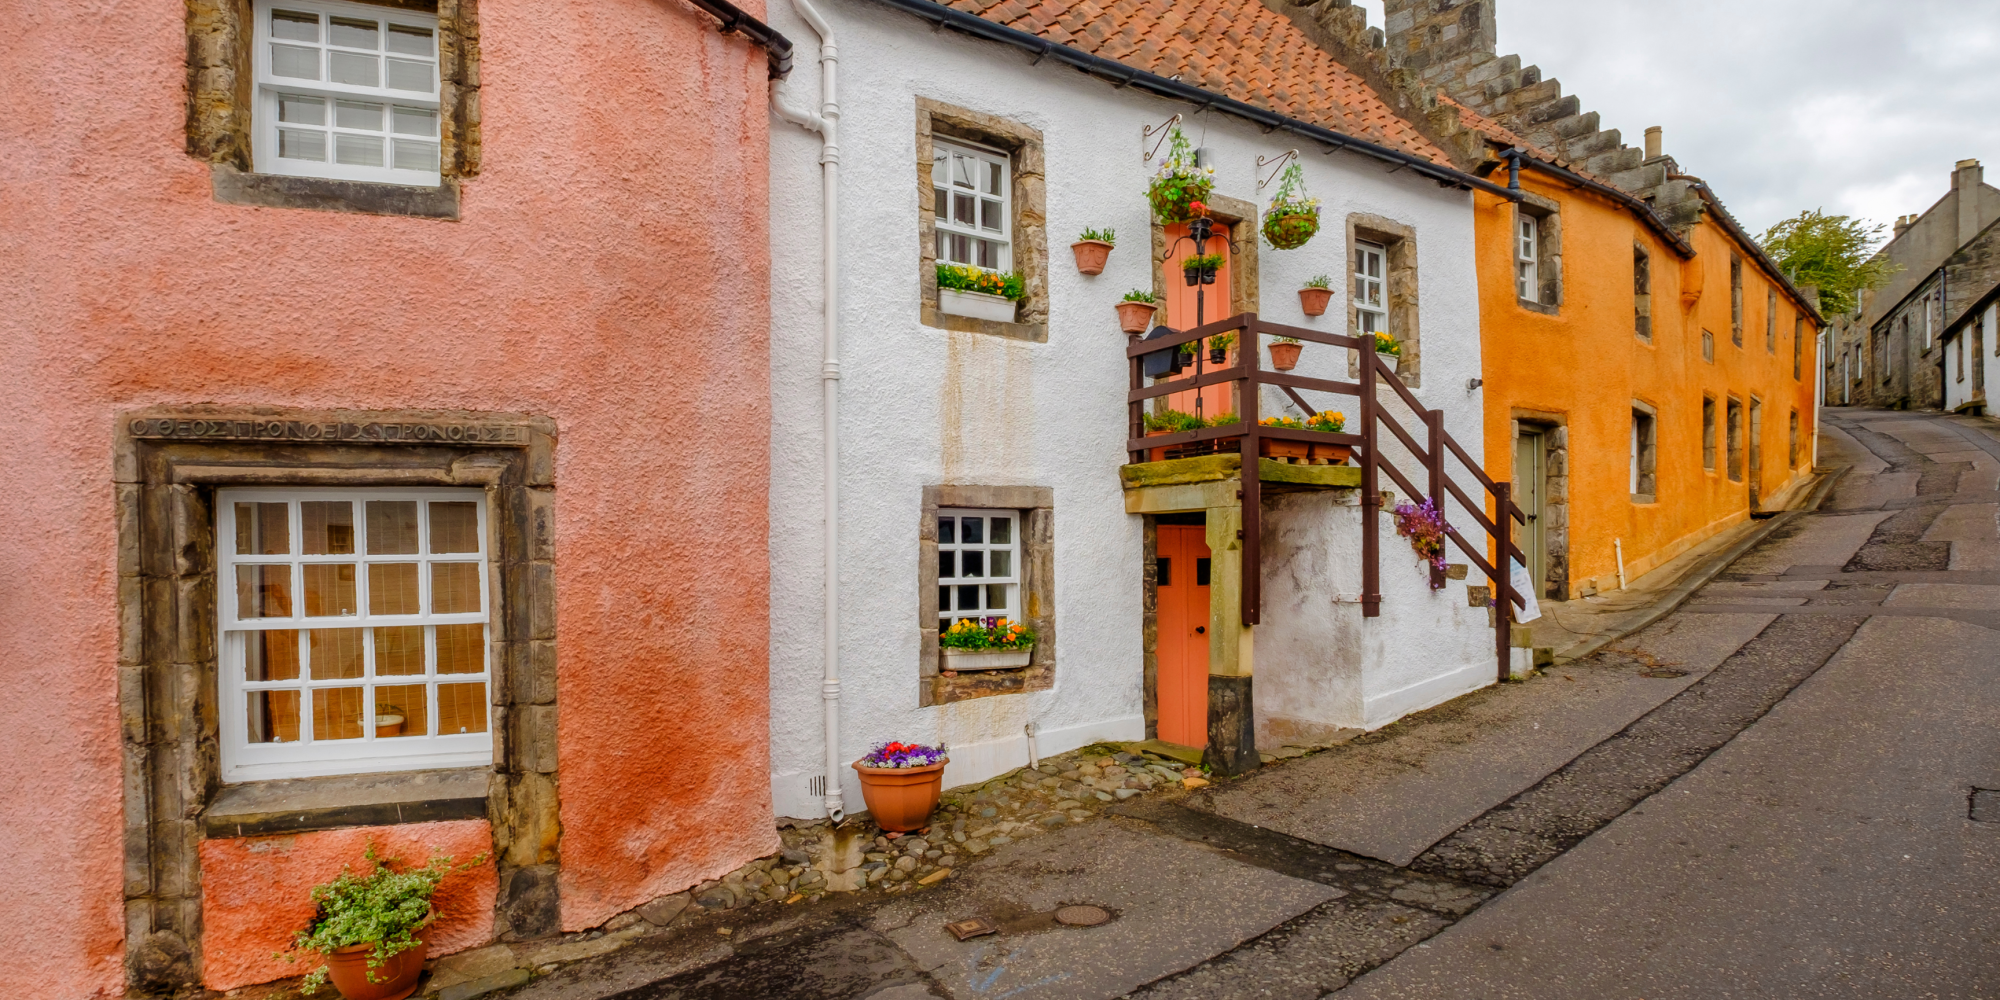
(265, 429)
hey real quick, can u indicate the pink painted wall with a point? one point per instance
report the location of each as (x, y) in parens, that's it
(256, 890)
(610, 271)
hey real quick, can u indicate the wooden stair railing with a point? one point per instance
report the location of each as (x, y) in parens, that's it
(1438, 445)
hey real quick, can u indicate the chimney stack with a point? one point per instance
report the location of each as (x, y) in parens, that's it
(1652, 142)
(1966, 178)
(1903, 223)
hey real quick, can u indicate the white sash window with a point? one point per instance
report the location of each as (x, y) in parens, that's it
(979, 565)
(1527, 258)
(972, 191)
(1370, 315)
(353, 631)
(346, 91)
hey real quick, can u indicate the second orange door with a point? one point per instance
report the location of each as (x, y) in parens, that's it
(1182, 564)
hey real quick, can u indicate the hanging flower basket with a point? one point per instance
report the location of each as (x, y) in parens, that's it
(1293, 216)
(1177, 182)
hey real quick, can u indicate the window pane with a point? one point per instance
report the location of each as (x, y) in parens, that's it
(301, 110)
(328, 527)
(271, 656)
(961, 249)
(961, 170)
(972, 563)
(359, 150)
(989, 215)
(401, 710)
(972, 530)
(461, 649)
(968, 597)
(413, 155)
(944, 598)
(399, 651)
(412, 76)
(947, 565)
(416, 121)
(263, 529)
(996, 595)
(356, 69)
(354, 34)
(273, 716)
(337, 714)
(263, 591)
(392, 527)
(993, 178)
(296, 145)
(963, 207)
(1003, 531)
(392, 589)
(1003, 561)
(989, 254)
(461, 708)
(947, 530)
(330, 590)
(358, 114)
(411, 41)
(334, 654)
(940, 206)
(454, 588)
(294, 62)
(296, 26)
(939, 168)
(454, 527)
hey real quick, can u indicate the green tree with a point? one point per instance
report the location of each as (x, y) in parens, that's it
(1835, 253)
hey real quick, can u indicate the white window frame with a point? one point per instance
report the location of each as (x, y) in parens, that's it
(1371, 313)
(1527, 257)
(306, 757)
(990, 197)
(270, 87)
(948, 585)
(1925, 305)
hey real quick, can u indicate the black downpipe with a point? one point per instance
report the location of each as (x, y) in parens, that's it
(777, 48)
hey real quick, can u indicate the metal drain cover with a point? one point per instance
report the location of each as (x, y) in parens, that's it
(1082, 916)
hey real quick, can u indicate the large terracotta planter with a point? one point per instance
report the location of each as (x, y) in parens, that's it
(1285, 357)
(1090, 255)
(901, 798)
(396, 979)
(1135, 317)
(1313, 300)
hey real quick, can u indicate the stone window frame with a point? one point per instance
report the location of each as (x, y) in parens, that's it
(168, 465)
(1733, 437)
(1708, 346)
(1399, 244)
(1642, 291)
(1646, 425)
(1027, 203)
(1708, 426)
(221, 96)
(1547, 213)
(1036, 505)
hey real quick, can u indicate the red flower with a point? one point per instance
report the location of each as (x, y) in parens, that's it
(1197, 208)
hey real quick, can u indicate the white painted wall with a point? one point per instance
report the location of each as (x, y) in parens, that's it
(923, 406)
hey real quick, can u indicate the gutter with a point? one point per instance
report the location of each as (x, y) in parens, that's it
(1518, 157)
(1127, 76)
(777, 48)
(1736, 230)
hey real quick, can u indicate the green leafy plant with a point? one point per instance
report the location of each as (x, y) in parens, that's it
(1201, 261)
(1222, 341)
(959, 277)
(1385, 344)
(381, 906)
(1105, 235)
(1139, 295)
(1177, 182)
(1332, 423)
(1284, 340)
(1834, 253)
(1293, 216)
(1292, 423)
(983, 634)
(1319, 281)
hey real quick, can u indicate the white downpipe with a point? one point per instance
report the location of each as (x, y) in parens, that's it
(826, 123)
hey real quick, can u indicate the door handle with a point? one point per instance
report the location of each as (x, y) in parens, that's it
(1200, 629)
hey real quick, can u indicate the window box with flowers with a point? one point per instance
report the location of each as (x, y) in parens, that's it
(986, 644)
(1306, 452)
(1389, 349)
(979, 293)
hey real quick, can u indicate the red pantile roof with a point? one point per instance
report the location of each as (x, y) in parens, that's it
(1236, 48)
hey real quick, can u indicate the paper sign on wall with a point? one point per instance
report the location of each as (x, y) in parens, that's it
(1523, 585)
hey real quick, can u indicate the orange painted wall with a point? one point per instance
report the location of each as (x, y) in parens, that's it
(1588, 365)
(255, 891)
(611, 271)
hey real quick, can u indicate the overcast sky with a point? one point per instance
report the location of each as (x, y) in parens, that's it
(1857, 106)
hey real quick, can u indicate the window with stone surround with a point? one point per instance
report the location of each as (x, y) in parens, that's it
(353, 631)
(1736, 299)
(1771, 320)
(1382, 266)
(1708, 346)
(1538, 254)
(999, 219)
(1708, 433)
(1644, 452)
(1798, 347)
(985, 551)
(1733, 438)
(1795, 449)
(1642, 292)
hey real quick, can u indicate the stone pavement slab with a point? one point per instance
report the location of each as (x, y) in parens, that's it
(1826, 852)
(1824, 541)
(1394, 793)
(1174, 904)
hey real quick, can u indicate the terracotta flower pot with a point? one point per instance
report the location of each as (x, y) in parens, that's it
(396, 979)
(1313, 300)
(901, 798)
(1285, 357)
(1090, 255)
(1135, 317)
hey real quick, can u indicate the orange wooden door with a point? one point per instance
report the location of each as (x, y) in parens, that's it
(1215, 305)
(1183, 633)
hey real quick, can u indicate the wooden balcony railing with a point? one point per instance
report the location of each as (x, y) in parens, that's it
(1247, 436)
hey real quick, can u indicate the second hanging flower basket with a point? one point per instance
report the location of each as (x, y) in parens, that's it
(1292, 218)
